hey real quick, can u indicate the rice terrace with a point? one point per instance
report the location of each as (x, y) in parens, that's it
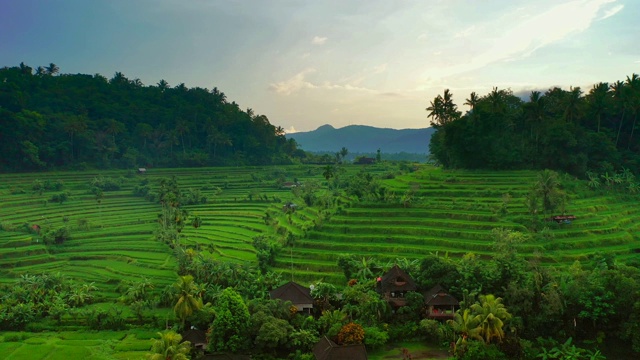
(425, 211)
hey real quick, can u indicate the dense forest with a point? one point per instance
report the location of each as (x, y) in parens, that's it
(51, 120)
(562, 130)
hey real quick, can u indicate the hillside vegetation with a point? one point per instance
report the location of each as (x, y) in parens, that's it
(132, 239)
(566, 130)
(52, 120)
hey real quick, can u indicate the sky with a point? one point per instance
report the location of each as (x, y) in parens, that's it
(304, 64)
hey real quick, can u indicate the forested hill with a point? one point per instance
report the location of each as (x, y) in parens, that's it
(50, 120)
(567, 130)
(364, 139)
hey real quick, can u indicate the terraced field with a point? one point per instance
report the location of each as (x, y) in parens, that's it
(428, 211)
(113, 240)
(454, 212)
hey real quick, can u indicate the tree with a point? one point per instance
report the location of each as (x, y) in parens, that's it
(228, 330)
(466, 325)
(490, 315)
(169, 347)
(621, 95)
(351, 333)
(547, 188)
(188, 300)
(472, 101)
(52, 69)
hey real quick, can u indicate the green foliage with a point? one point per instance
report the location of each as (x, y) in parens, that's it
(51, 127)
(61, 197)
(169, 346)
(57, 236)
(228, 330)
(558, 129)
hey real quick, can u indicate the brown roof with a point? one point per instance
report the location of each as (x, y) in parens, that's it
(326, 349)
(439, 296)
(293, 292)
(195, 337)
(396, 279)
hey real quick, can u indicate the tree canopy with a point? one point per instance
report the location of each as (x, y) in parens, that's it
(53, 120)
(564, 130)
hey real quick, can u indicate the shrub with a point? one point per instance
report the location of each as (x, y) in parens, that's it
(351, 333)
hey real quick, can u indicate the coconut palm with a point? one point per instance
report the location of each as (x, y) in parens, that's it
(598, 99)
(465, 325)
(52, 69)
(633, 83)
(490, 314)
(169, 347)
(472, 101)
(188, 298)
(621, 95)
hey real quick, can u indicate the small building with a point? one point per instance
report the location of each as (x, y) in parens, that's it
(394, 285)
(197, 338)
(326, 349)
(289, 185)
(440, 304)
(142, 171)
(299, 296)
(562, 218)
(289, 207)
(363, 160)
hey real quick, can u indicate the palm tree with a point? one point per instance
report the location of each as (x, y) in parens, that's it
(620, 94)
(573, 108)
(490, 314)
(435, 111)
(633, 83)
(163, 85)
(169, 347)
(472, 101)
(465, 325)
(52, 69)
(597, 100)
(189, 300)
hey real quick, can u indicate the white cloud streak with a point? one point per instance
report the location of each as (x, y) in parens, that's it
(521, 38)
(318, 40)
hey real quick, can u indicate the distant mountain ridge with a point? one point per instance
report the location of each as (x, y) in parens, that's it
(364, 139)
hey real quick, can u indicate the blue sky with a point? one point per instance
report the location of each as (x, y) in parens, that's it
(308, 63)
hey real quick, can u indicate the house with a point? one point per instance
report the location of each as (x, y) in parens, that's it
(142, 171)
(326, 349)
(394, 285)
(440, 304)
(197, 338)
(289, 185)
(289, 207)
(365, 161)
(562, 218)
(299, 296)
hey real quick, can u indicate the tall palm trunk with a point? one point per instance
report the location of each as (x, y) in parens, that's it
(620, 127)
(633, 127)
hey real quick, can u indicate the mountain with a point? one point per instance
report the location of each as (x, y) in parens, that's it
(364, 139)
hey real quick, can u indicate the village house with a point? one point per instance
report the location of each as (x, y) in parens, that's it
(440, 304)
(394, 285)
(299, 296)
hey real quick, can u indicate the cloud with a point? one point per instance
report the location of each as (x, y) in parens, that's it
(290, 130)
(318, 40)
(609, 13)
(521, 38)
(293, 84)
(422, 38)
